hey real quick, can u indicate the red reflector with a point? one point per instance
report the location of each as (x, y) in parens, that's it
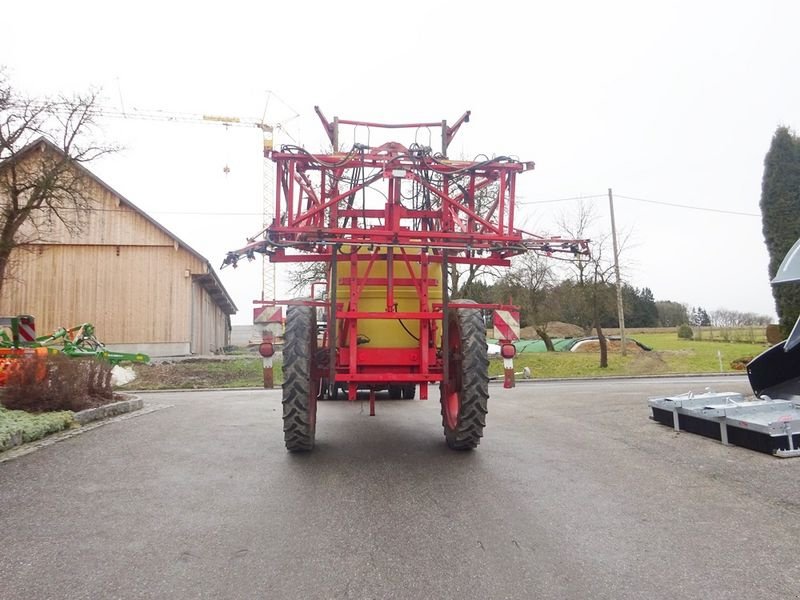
(508, 351)
(266, 349)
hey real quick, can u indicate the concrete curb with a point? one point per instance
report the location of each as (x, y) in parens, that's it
(108, 410)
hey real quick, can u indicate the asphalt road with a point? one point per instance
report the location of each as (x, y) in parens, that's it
(574, 493)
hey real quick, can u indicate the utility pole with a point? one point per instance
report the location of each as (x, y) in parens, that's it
(620, 309)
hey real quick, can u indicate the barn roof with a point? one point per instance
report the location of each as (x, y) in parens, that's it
(209, 280)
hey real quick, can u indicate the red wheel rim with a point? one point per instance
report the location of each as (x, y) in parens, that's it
(452, 388)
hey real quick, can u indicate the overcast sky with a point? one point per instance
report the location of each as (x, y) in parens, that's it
(673, 103)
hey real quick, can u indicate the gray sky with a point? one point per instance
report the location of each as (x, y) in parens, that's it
(671, 102)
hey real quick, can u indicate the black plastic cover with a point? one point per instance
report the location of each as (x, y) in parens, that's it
(776, 372)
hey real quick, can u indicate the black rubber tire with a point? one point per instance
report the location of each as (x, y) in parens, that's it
(300, 386)
(465, 397)
(402, 392)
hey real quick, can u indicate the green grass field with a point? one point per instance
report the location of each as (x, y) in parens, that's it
(669, 355)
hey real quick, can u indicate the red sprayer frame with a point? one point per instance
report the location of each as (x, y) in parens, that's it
(406, 206)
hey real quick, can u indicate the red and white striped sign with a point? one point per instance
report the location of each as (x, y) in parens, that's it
(27, 328)
(506, 325)
(267, 314)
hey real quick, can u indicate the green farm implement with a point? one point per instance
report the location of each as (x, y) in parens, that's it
(18, 333)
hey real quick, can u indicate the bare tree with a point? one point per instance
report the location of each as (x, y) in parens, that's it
(462, 277)
(672, 314)
(723, 317)
(43, 142)
(530, 281)
(593, 275)
(601, 294)
(303, 275)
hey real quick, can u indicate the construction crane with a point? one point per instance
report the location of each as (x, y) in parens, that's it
(269, 277)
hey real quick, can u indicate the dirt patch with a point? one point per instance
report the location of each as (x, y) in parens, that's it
(647, 363)
(169, 376)
(200, 373)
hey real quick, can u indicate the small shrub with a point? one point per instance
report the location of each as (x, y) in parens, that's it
(685, 332)
(774, 335)
(18, 426)
(57, 382)
(740, 364)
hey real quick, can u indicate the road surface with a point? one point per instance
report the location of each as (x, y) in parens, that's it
(573, 493)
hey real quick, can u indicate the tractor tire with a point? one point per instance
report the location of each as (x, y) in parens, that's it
(402, 392)
(465, 395)
(300, 381)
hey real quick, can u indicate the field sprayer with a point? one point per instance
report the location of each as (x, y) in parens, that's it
(388, 222)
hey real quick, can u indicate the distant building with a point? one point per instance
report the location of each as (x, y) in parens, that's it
(142, 287)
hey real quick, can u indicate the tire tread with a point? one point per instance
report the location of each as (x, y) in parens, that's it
(298, 431)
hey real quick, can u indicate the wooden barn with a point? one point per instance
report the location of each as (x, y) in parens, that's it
(142, 287)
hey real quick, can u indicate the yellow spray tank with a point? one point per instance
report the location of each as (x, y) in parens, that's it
(383, 333)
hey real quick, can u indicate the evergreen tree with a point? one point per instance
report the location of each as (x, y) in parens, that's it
(780, 215)
(640, 308)
(649, 311)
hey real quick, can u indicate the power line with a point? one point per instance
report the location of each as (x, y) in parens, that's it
(701, 208)
(207, 214)
(162, 212)
(646, 200)
(256, 214)
(562, 199)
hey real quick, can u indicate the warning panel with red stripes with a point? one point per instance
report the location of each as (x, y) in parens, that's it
(267, 314)
(506, 325)
(27, 329)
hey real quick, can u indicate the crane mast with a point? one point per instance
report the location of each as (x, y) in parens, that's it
(269, 277)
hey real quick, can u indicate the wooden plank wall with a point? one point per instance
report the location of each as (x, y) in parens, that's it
(123, 274)
(210, 325)
(132, 294)
(110, 222)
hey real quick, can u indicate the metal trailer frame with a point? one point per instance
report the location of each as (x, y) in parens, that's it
(769, 423)
(410, 208)
(763, 424)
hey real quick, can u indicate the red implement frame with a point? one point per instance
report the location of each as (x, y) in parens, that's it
(394, 203)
